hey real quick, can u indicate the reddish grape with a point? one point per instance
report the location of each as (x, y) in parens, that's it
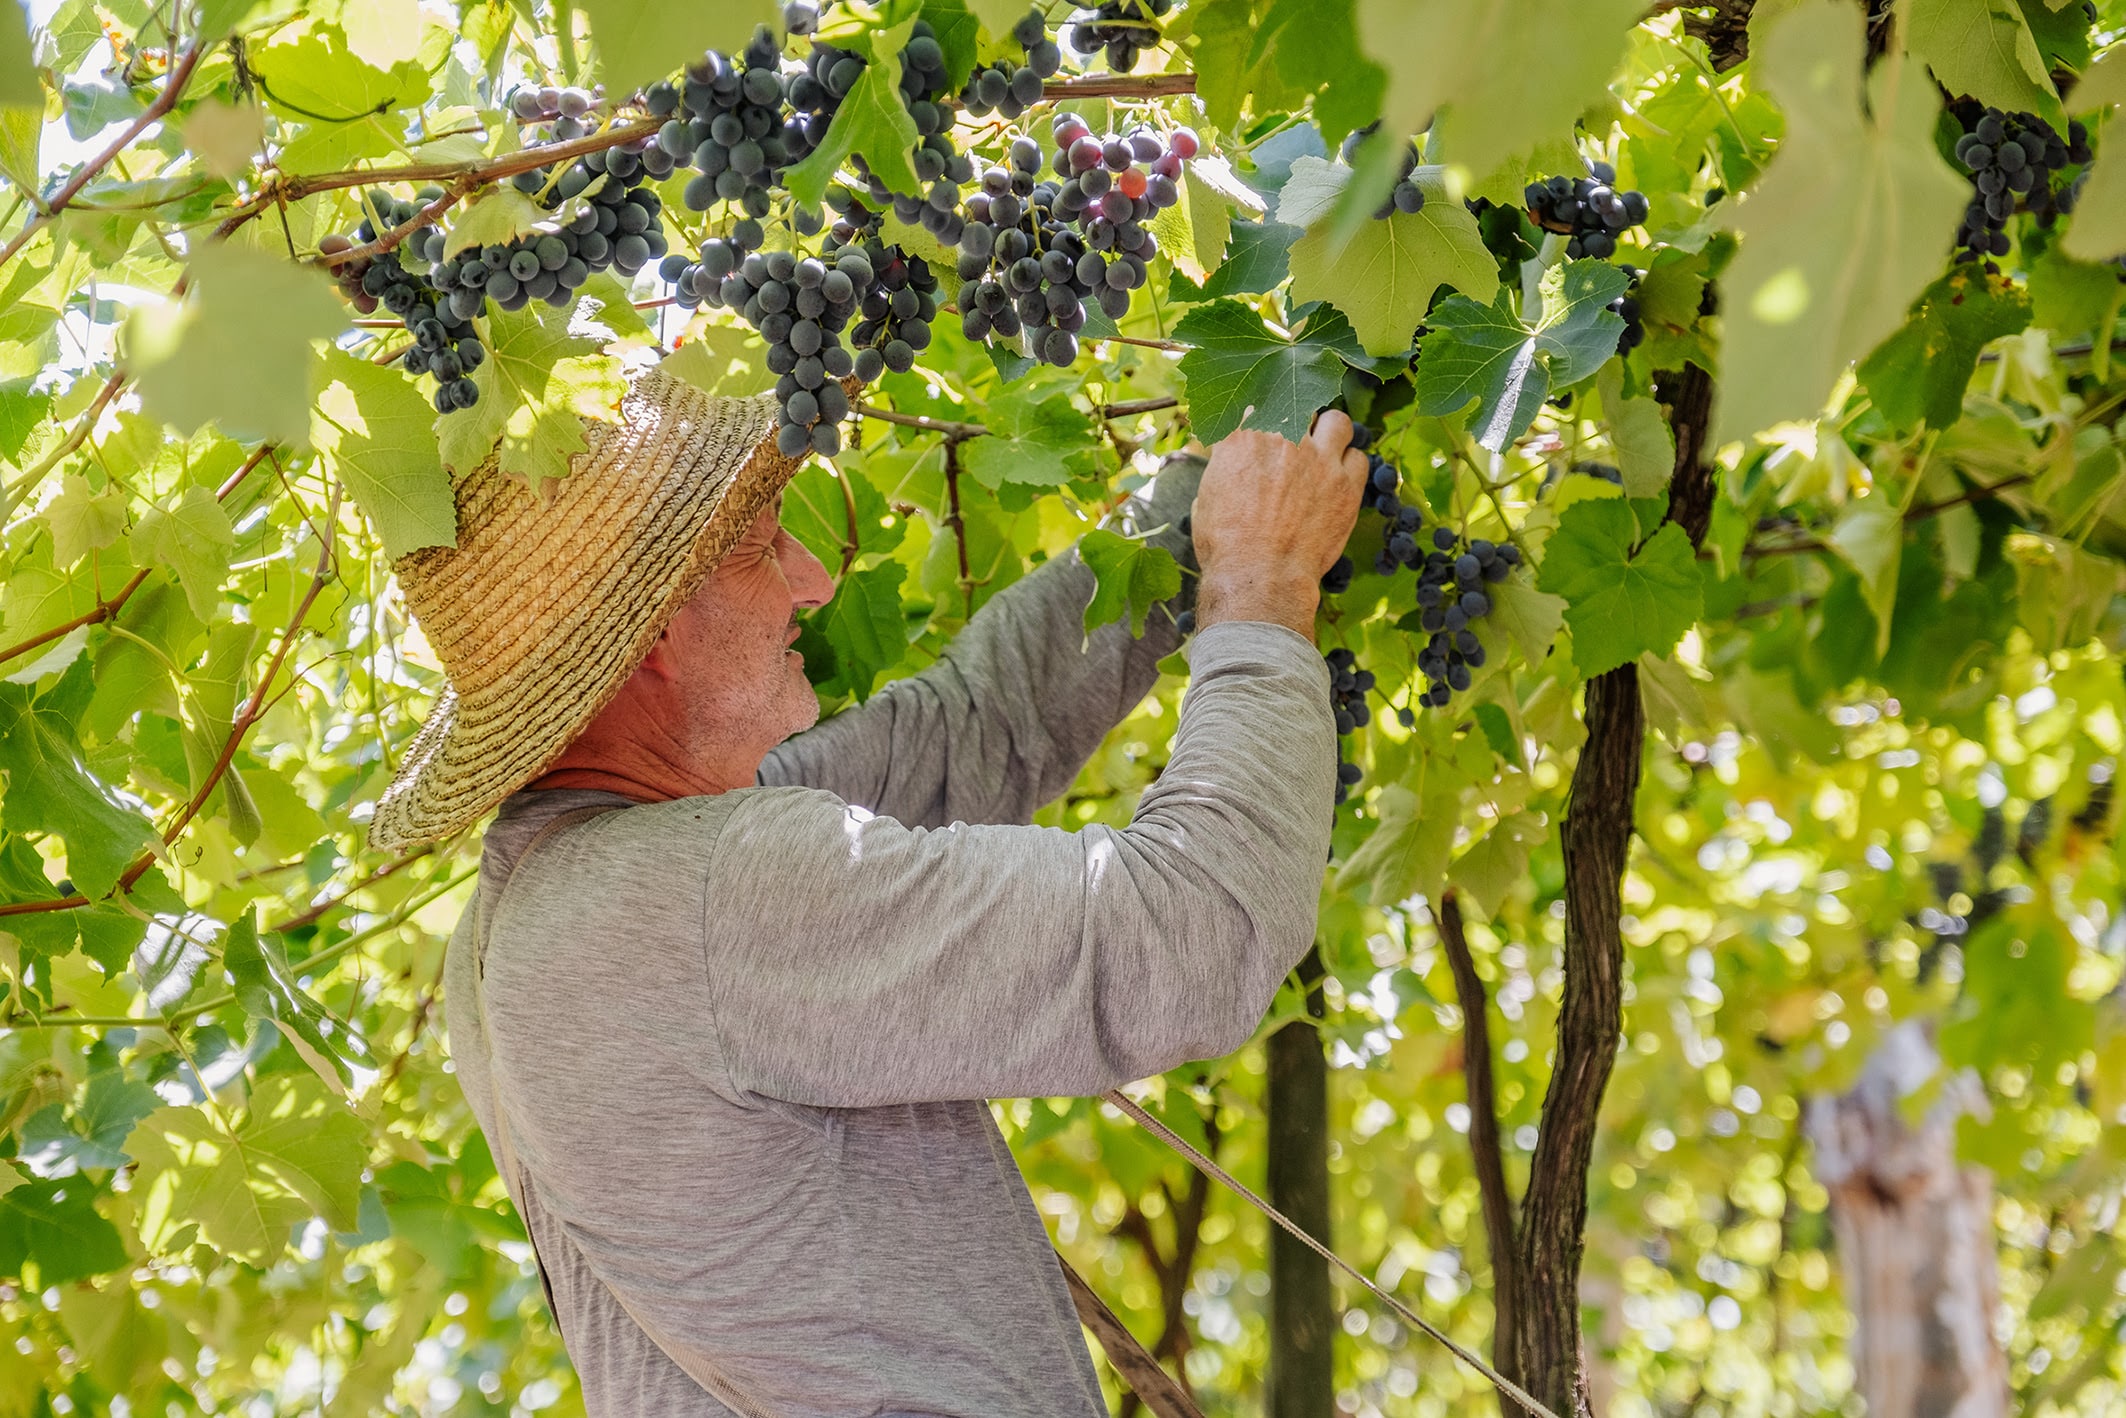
(1182, 143)
(1130, 182)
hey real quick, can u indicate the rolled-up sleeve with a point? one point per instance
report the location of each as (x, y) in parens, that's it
(856, 961)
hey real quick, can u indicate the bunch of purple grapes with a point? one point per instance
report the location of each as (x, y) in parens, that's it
(1009, 89)
(570, 111)
(1589, 210)
(1033, 251)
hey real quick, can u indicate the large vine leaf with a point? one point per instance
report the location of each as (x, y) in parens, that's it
(1129, 578)
(1036, 438)
(1484, 353)
(1241, 374)
(267, 988)
(642, 41)
(1983, 48)
(237, 353)
(538, 384)
(50, 788)
(1621, 604)
(55, 1224)
(19, 85)
(864, 625)
(298, 1153)
(1852, 217)
(1384, 277)
(1502, 76)
(377, 435)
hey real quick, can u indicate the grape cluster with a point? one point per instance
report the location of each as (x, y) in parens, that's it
(1010, 89)
(1348, 687)
(1124, 28)
(2011, 158)
(570, 111)
(1626, 308)
(1401, 523)
(1450, 599)
(444, 343)
(740, 125)
(1033, 251)
(1406, 196)
(1589, 210)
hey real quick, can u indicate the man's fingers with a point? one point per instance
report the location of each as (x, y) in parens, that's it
(1331, 432)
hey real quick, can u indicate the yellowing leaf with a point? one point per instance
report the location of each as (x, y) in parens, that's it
(1983, 48)
(82, 521)
(194, 539)
(1849, 223)
(226, 136)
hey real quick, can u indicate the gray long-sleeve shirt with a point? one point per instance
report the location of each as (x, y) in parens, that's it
(744, 1040)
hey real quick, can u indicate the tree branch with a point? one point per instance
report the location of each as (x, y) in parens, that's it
(1484, 1146)
(173, 87)
(1120, 86)
(954, 432)
(1125, 1355)
(956, 522)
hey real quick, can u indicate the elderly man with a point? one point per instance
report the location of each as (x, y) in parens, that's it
(729, 1007)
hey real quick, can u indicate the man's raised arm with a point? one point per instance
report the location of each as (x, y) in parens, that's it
(1014, 708)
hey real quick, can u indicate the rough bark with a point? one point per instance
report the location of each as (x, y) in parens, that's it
(1302, 1305)
(1915, 1239)
(1596, 839)
(1484, 1132)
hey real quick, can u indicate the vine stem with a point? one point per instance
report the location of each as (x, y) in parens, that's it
(1484, 1128)
(955, 521)
(173, 88)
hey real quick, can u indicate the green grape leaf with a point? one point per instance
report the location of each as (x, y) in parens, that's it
(537, 385)
(1384, 277)
(227, 136)
(1498, 861)
(1645, 446)
(1129, 578)
(1194, 231)
(642, 41)
(1035, 438)
(1870, 535)
(315, 76)
(1855, 211)
(57, 1144)
(496, 219)
(1921, 372)
(298, 1153)
(2098, 232)
(1620, 605)
(1502, 76)
(1304, 47)
(195, 540)
(727, 359)
(19, 84)
(82, 521)
(1240, 374)
(1311, 190)
(1257, 259)
(237, 353)
(1484, 353)
(1983, 48)
(1406, 855)
(376, 434)
(865, 626)
(2103, 83)
(872, 123)
(267, 989)
(998, 16)
(51, 789)
(1531, 618)
(55, 1224)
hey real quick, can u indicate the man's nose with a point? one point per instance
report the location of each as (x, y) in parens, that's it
(810, 585)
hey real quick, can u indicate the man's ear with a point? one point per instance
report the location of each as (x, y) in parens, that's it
(659, 662)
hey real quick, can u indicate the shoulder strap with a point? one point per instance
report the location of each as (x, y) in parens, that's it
(721, 1388)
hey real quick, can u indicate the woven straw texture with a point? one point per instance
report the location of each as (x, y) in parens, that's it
(546, 606)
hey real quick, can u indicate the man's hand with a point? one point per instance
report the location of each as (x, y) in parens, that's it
(1271, 517)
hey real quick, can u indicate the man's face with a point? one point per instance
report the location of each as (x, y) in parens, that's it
(726, 655)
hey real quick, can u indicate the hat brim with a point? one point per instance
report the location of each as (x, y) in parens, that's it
(573, 591)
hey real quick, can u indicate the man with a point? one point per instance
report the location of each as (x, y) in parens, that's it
(730, 1007)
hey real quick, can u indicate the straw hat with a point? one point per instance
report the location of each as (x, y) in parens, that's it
(546, 606)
